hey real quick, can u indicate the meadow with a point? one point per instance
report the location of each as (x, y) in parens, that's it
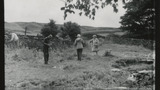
(24, 68)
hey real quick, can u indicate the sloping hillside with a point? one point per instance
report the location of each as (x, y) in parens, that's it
(13, 26)
(19, 27)
(89, 28)
(33, 28)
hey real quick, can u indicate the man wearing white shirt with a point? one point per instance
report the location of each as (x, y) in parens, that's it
(14, 39)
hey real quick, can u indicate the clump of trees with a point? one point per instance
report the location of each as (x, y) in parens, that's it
(68, 28)
(49, 28)
(138, 19)
(71, 29)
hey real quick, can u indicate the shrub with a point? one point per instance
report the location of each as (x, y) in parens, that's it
(72, 29)
(149, 44)
(49, 28)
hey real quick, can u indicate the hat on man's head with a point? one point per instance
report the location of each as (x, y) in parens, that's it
(94, 35)
(78, 35)
(50, 36)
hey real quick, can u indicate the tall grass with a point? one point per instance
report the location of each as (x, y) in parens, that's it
(31, 50)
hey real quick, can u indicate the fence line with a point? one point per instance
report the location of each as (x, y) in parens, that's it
(34, 42)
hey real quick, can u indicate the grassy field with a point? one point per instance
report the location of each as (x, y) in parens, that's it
(24, 68)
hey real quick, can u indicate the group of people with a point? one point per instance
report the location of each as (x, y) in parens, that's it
(78, 43)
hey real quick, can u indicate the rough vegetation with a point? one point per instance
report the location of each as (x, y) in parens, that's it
(24, 68)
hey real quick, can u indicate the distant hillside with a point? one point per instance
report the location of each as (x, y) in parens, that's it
(33, 28)
(19, 27)
(13, 26)
(88, 29)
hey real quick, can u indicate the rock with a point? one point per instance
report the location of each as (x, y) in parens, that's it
(54, 67)
(146, 71)
(154, 64)
(120, 88)
(147, 61)
(151, 56)
(132, 77)
(115, 70)
(23, 84)
(107, 52)
(135, 76)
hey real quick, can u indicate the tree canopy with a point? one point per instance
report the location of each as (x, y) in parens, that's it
(139, 17)
(49, 28)
(71, 29)
(88, 7)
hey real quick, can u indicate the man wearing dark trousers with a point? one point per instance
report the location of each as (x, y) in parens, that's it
(46, 46)
(79, 53)
(79, 46)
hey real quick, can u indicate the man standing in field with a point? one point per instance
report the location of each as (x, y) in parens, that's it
(79, 42)
(46, 46)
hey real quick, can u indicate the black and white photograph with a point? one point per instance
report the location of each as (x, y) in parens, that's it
(79, 44)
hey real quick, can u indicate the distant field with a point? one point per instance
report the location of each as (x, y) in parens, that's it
(19, 27)
(34, 28)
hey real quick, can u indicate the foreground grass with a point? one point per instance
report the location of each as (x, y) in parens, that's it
(24, 68)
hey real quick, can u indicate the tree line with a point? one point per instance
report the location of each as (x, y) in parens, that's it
(68, 29)
(139, 18)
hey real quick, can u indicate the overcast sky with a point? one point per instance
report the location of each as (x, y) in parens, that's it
(43, 10)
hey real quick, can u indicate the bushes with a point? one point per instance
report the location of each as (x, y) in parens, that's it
(90, 35)
(72, 29)
(130, 41)
(49, 28)
(69, 28)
